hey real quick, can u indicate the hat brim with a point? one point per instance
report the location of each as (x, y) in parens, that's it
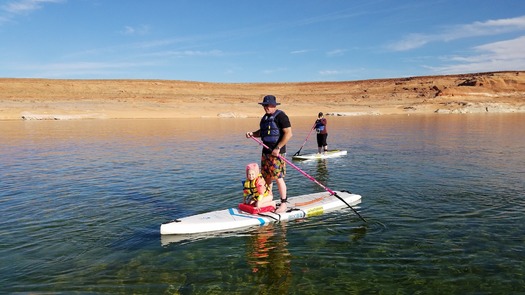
(268, 104)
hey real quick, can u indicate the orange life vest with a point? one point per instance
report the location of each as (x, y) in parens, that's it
(250, 189)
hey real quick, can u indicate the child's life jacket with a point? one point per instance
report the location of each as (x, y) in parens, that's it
(256, 189)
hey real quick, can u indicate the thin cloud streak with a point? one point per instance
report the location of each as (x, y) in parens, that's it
(25, 6)
(80, 69)
(495, 56)
(22, 7)
(187, 53)
(336, 52)
(140, 30)
(490, 27)
(300, 51)
(269, 72)
(340, 72)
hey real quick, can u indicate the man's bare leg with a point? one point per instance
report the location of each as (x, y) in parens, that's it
(281, 185)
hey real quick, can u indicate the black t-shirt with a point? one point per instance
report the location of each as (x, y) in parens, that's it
(282, 121)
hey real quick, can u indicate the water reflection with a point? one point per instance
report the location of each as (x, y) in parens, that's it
(322, 170)
(440, 193)
(269, 258)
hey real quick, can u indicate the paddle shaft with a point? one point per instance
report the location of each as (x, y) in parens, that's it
(311, 178)
(299, 151)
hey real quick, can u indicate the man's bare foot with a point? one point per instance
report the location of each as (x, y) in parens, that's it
(282, 208)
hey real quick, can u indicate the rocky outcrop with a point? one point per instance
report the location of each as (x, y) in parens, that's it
(349, 114)
(230, 115)
(474, 108)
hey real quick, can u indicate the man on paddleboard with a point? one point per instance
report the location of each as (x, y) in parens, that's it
(274, 130)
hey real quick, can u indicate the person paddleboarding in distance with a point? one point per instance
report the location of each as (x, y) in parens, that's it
(322, 133)
(275, 131)
(255, 190)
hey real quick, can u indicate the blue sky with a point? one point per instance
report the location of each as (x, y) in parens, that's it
(258, 41)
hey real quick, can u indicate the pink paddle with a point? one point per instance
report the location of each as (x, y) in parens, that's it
(311, 178)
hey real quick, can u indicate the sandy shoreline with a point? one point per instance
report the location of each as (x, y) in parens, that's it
(47, 99)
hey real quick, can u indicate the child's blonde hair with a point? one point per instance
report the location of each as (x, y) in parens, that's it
(252, 166)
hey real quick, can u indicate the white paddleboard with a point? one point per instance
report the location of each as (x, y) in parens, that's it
(233, 218)
(328, 154)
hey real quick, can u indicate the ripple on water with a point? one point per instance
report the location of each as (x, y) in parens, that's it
(82, 202)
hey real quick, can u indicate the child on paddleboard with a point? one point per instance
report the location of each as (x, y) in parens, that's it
(256, 192)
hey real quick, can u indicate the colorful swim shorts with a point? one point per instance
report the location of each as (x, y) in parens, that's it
(273, 166)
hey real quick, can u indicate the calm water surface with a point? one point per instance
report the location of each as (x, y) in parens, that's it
(81, 203)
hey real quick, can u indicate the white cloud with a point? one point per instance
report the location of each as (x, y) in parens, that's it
(11, 9)
(60, 70)
(330, 72)
(336, 52)
(497, 56)
(183, 53)
(508, 49)
(410, 42)
(140, 30)
(300, 51)
(25, 6)
(214, 52)
(490, 27)
(340, 72)
(78, 66)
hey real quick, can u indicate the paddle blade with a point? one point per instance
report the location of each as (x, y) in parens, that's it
(298, 152)
(355, 211)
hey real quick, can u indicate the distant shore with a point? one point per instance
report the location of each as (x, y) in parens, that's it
(49, 99)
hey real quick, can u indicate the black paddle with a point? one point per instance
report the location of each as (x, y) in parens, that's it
(299, 151)
(312, 179)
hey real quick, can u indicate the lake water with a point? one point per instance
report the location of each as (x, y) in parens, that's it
(81, 203)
